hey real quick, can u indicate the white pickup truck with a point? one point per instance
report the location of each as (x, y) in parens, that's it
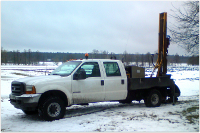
(86, 81)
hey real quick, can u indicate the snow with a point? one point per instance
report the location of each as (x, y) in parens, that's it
(105, 116)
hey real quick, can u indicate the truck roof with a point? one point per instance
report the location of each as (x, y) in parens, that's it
(88, 60)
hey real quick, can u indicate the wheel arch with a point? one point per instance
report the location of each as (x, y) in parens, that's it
(54, 93)
(161, 89)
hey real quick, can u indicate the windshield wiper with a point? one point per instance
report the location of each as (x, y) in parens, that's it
(60, 74)
(55, 74)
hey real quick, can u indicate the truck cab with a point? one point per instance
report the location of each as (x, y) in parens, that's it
(73, 82)
(99, 80)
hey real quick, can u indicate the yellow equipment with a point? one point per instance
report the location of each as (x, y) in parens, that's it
(163, 44)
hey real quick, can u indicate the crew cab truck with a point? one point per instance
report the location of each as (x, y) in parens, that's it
(86, 81)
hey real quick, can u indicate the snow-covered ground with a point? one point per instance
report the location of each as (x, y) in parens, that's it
(107, 116)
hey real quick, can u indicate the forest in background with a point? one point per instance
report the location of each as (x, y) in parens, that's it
(28, 57)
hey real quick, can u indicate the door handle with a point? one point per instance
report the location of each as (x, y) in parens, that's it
(102, 82)
(122, 81)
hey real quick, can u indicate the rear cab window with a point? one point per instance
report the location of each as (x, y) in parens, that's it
(111, 69)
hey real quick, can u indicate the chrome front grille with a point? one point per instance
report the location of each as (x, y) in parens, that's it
(17, 88)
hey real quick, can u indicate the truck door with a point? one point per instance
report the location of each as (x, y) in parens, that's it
(89, 89)
(115, 82)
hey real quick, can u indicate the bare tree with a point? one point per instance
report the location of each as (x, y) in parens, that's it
(137, 56)
(126, 58)
(18, 57)
(112, 55)
(70, 56)
(25, 59)
(194, 60)
(29, 56)
(176, 58)
(64, 58)
(142, 59)
(95, 54)
(104, 54)
(3, 56)
(37, 57)
(148, 58)
(56, 59)
(186, 31)
(14, 57)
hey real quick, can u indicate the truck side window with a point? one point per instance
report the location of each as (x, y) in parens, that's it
(91, 69)
(112, 69)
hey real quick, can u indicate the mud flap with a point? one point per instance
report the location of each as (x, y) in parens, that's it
(175, 91)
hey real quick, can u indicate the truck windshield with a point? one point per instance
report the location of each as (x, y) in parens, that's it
(66, 68)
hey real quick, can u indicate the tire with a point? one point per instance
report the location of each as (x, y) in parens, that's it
(52, 109)
(154, 99)
(30, 112)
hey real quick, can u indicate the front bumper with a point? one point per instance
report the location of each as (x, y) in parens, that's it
(28, 102)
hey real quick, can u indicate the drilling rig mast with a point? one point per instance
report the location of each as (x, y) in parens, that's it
(163, 44)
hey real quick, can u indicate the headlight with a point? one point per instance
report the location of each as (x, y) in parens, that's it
(30, 89)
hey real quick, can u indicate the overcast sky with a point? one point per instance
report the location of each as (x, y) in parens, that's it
(69, 26)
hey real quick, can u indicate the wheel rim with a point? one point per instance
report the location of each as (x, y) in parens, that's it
(53, 109)
(154, 99)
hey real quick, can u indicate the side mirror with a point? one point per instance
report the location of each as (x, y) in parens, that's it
(79, 75)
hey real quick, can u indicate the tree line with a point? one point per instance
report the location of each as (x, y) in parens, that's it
(29, 57)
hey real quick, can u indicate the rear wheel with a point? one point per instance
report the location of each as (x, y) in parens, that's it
(153, 99)
(52, 109)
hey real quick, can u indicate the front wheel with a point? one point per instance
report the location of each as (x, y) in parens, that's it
(52, 109)
(153, 99)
